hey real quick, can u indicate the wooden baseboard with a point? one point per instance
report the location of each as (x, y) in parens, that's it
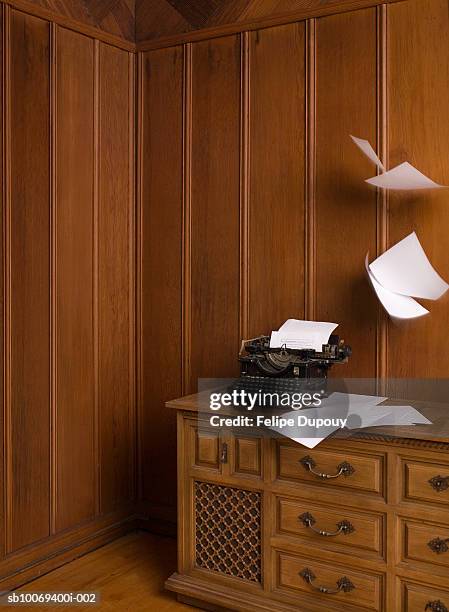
(214, 596)
(29, 563)
(197, 603)
(26, 565)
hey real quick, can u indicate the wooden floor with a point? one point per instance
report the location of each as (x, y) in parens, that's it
(128, 574)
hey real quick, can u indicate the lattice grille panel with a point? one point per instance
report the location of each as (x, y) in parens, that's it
(228, 530)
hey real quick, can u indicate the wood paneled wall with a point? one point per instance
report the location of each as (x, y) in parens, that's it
(253, 203)
(69, 292)
(251, 209)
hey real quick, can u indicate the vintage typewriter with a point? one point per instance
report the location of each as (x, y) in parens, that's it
(285, 370)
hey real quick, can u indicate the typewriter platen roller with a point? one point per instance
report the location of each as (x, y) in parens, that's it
(257, 358)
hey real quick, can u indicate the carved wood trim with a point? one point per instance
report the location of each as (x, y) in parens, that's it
(411, 442)
(256, 24)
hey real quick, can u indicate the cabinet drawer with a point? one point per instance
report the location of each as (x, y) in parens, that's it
(427, 543)
(329, 467)
(329, 583)
(342, 526)
(418, 598)
(426, 482)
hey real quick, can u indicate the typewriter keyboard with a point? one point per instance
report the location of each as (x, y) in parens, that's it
(277, 385)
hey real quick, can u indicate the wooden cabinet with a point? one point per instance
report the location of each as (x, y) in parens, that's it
(355, 525)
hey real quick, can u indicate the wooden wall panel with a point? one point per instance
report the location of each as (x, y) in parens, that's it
(161, 211)
(115, 316)
(418, 92)
(68, 296)
(214, 236)
(276, 253)
(75, 428)
(3, 293)
(28, 516)
(345, 216)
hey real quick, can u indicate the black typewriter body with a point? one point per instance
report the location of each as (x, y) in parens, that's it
(286, 370)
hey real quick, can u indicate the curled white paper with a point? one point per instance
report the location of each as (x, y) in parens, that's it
(397, 305)
(405, 269)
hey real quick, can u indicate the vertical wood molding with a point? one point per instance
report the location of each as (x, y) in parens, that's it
(382, 194)
(139, 276)
(53, 276)
(310, 172)
(187, 220)
(7, 457)
(95, 259)
(132, 414)
(245, 88)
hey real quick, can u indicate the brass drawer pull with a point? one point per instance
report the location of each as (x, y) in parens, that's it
(439, 483)
(343, 527)
(436, 606)
(438, 545)
(344, 469)
(343, 583)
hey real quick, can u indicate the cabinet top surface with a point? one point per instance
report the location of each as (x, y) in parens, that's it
(437, 413)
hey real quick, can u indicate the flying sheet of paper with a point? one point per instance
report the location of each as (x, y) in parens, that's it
(368, 150)
(405, 269)
(402, 177)
(397, 305)
(405, 176)
(298, 334)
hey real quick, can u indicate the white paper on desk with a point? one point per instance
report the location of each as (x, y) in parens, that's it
(298, 334)
(351, 400)
(308, 435)
(403, 177)
(308, 442)
(397, 305)
(361, 410)
(402, 415)
(405, 269)
(368, 150)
